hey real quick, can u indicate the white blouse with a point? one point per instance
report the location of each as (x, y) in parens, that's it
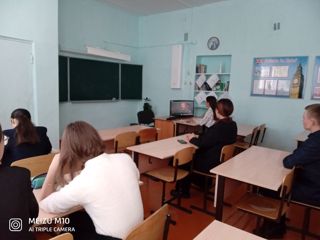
(108, 189)
(207, 119)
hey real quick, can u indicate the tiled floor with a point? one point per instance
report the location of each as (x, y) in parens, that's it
(190, 225)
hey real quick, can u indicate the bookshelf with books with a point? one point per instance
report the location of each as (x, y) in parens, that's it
(212, 77)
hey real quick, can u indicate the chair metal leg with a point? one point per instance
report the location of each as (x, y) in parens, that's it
(204, 208)
(166, 227)
(163, 197)
(169, 201)
(306, 222)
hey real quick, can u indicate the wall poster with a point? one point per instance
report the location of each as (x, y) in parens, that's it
(316, 80)
(279, 76)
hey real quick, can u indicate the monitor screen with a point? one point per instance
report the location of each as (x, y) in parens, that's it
(181, 108)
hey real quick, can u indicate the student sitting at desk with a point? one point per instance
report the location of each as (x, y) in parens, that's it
(210, 143)
(105, 185)
(24, 140)
(306, 187)
(306, 159)
(17, 202)
(209, 117)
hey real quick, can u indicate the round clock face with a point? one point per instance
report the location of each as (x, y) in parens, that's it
(213, 43)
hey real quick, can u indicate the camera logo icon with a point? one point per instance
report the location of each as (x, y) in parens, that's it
(15, 224)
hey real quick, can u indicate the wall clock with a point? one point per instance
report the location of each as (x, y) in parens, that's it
(213, 43)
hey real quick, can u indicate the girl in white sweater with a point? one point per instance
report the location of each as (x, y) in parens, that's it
(105, 185)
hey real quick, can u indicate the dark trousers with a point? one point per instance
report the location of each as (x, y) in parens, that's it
(184, 184)
(84, 228)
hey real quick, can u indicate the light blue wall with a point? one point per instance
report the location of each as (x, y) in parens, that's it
(245, 29)
(37, 21)
(93, 23)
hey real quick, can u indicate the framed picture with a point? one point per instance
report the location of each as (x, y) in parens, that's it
(279, 76)
(315, 94)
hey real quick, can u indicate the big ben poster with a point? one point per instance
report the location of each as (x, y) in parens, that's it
(279, 76)
(316, 80)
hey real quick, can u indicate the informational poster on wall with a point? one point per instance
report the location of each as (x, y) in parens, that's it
(279, 76)
(316, 80)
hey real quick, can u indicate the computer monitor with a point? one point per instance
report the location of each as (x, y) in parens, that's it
(181, 108)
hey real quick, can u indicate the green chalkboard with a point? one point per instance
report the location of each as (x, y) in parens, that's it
(93, 80)
(63, 79)
(131, 81)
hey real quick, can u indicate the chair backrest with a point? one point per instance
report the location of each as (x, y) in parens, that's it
(254, 136)
(148, 135)
(36, 165)
(155, 227)
(183, 156)
(262, 131)
(145, 117)
(227, 152)
(287, 184)
(124, 140)
(64, 236)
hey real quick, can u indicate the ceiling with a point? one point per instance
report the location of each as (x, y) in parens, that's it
(149, 7)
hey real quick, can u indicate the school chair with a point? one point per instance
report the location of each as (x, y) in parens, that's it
(155, 227)
(267, 207)
(262, 132)
(124, 140)
(147, 135)
(64, 236)
(243, 145)
(172, 174)
(36, 165)
(227, 152)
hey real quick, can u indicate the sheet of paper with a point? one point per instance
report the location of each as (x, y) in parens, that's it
(212, 80)
(200, 97)
(201, 79)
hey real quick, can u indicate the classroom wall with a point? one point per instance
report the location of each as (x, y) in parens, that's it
(37, 22)
(245, 29)
(94, 23)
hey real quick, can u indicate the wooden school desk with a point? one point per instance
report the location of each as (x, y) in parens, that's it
(170, 128)
(108, 135)
(111, 133)
(257, 166)
(161, 149)
(244, 130)
(190, 124)
(220, 231)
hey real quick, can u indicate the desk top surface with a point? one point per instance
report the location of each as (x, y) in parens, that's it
(244, 130)
(161, 149)
(111, 133)
(258, 166)
(194, 121)
(218, 231)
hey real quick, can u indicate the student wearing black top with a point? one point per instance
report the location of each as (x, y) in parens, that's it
(210, 143)
(17, 202)
(24, 140)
